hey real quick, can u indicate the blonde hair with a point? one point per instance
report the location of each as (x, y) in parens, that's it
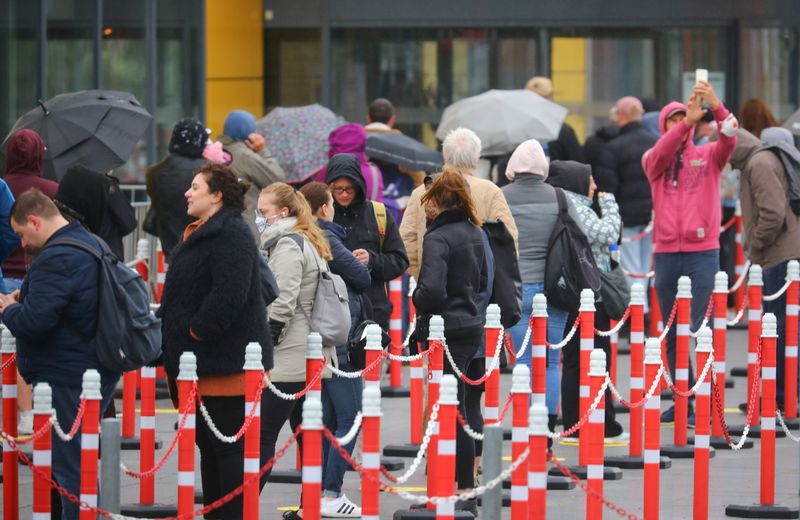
(541, 85)
(286, 197)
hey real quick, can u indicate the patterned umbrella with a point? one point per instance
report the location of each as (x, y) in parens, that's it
(298, 137)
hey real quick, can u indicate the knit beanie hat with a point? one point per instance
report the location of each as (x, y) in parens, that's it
(529, 157)
(777, 134)
(189, 137)
(239, 124)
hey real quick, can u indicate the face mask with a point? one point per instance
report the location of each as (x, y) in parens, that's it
(261, 223)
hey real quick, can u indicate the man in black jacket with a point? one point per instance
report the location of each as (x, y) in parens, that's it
(620, 172)
(375, 244)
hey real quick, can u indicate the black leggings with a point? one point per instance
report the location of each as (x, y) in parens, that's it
(473, 394)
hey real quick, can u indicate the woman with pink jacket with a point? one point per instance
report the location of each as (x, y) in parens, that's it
(684, 180)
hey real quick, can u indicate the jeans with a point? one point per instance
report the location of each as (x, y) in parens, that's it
(67, 455)
(637, 257)
(556, 323)
(341, 401)
(774, 279)
(700, 267)
(11, 284)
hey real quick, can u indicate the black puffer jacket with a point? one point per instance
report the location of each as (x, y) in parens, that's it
(620, 172)
(595, 143)
(386, 262)
(212, 289)
(453, 273)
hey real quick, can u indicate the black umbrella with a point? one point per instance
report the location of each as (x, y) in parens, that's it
(97, 128)
(399, 149)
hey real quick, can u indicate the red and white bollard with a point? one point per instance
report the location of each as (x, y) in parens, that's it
(446, 448)
(702, 448)
(371, 453)
(614, 343)
(373, 351)
(253, 380)
(656, 318)
(186, 381)
(142, 254)
(417, 379)
(161, 273)
(539, 349)
(790, 360)
(491, 412)
(680, 447)
(396, 332)
(652, 431)
(741, 262)
(90, 443)
(586, 347)
(537, 462)
(312, 457)
(147, 433)
(8, 352)
(755, 288)
(520, 390)
(315, 361)
(637, 368)
(435, 369)
(129, 440)
(720, 343)
(42, 451)
(595, 436)
(766, 508)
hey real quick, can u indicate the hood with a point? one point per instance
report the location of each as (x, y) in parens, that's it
(666, 112)
(650, 122)
(571, 176)
(239, 124)
(777, 134)
(529, 157)
(746, 143)
(607, 132)
(349, 138)
(346, 165)
(85, 191)
(25, 153)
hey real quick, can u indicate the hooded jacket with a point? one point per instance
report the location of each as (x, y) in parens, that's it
(387, 261)
(352, 139)
(771, 229)
(24, 164)
(684, 181)
(596, 142)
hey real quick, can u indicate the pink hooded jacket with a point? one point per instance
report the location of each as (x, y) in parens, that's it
(684, 180)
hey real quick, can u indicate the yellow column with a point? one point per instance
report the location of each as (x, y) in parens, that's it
(568, 58)
(234, 59)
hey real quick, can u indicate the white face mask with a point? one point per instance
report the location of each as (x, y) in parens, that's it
(261, 223)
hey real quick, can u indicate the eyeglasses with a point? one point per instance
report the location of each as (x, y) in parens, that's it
(339, 190)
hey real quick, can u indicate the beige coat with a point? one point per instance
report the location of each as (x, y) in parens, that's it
(490, 203)
(297, 275)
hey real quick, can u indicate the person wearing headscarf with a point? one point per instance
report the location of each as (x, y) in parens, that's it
(351, 138)
(168, 181)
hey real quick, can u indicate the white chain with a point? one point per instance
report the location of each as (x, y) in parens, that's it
(423, 447)
(773, 297)
(274, 390)
(213, 427)
(648, 274)
(525, 341)
(697, 334)
(745, 432)
(646, 231)
(740, 281)
(613, 330)
(779, 415)
(470, 432)
(736, 318)
(566, 340)
(663, 335)
(341, 373)
(699, 381)
(647, 396)
(492, 365)
(348, 438)
(591, 408)
(57, 428)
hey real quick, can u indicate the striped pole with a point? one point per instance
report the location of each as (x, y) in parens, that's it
(684, 319)
(312, 457)
(253, 379)
(417, 383)
(315, 360)
(396, 331)
(539, 349)
(702, 428)
(371, 453)
(738, 269)
(161, 273)
(147, 433)
(614, 342)
(595, 437)
(520, 390)
(8, 351)
(42, 451)
(90, 442)
(435, 368)
(142, 253)
(446, 444)
(790, 364)
(586, 347)
(652, 431)
(637, 368)
(537, 462)
(720, 343)
(491, 412)
(186, 380)
(129, 439)
(657, 325)
(373, 351)
(755, 287)
(769, 337)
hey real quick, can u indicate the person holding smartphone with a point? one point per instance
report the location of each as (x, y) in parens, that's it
(685, 180)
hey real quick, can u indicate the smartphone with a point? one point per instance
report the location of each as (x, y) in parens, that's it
(701, 75)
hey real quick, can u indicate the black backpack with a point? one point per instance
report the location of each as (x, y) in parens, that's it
(128, 334)
(570, 265)
(506, 290)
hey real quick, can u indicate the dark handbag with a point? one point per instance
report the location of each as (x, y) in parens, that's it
(357, 343)
(615, 292)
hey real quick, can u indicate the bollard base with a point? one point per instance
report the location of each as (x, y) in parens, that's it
(129, 443)
(581, 471)
(198, 496)
(739, 372)
(507, 434)
(682, 452)
(729, 383)
(666, 395)
(401, 450)
(508, 369)
(621, 408)
(149, 510)
(395, 391)
(792, 424)
(755, 431)
(420, 512)
(629, 462)
(390, 463)
(506, 501)
(554, 483)
(762, 511)
(285, 476)
(623, 350)
(720, 443)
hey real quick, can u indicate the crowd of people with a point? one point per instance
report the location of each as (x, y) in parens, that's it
(246, 252)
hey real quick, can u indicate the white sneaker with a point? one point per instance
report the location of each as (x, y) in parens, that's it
(622, 438)
(340, 507)
(25, 426)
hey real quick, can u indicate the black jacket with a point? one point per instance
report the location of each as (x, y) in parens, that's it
(167, 181)
(566, 147)
(58, 305)
(620, 172)
(386, 262)
(595, 143)
(212, 288)
(453, 273)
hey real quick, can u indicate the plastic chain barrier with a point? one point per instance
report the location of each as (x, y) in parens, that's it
(638, 404)
(616, 328)
(741, 278)
(773, 297)
(670, 321)
(785, 428)
(707, 317)
(491, 368)
(301, 393)
(587, 415)
(640, 235)
(719, 406)
(706, 368)
(647, 275)
(423, 448)
(67, 437)
(563, 343)
(8, 362)
(247, 420)
(729, 224)
(350, 375)
(739, 314)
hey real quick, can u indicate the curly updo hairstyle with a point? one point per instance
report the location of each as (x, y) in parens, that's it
(221, 179)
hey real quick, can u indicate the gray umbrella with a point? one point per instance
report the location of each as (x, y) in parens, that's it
(793, 123)
(399, 149)
(97, 128)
